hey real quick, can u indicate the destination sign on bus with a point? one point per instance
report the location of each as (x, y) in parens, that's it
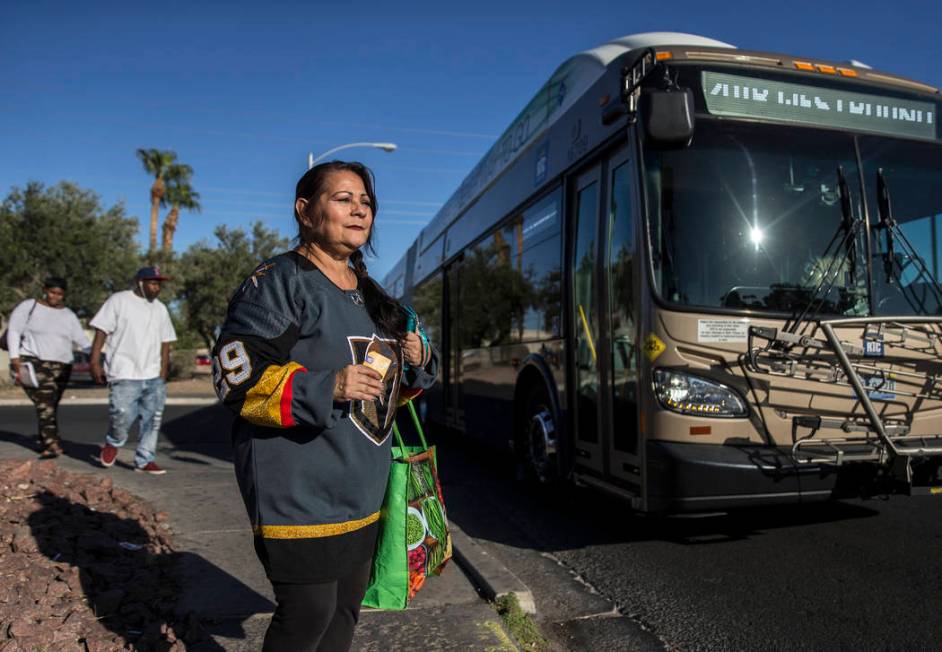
(750, 97)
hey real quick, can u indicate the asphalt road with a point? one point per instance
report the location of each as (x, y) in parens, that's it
(855, 575)
(862, 575)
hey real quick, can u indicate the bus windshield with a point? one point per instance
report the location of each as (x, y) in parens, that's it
(742, 219)
(913, 173)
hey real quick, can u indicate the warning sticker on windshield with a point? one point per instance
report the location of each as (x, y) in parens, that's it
(722, 331)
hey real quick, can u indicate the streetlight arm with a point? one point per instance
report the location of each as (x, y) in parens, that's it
(386, 147)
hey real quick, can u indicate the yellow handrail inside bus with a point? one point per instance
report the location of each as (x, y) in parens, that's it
(588, 335)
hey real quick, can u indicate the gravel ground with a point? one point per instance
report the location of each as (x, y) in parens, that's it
(84, 566)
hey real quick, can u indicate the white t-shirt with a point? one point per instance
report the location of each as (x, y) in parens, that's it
(48, 333)
(136, 328)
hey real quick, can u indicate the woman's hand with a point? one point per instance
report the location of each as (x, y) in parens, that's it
(357, 382)
(412, 349)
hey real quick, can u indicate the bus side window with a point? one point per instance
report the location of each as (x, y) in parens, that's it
(427, 301)
(510, 280)
(541, 264)
(540, 261)
(493, 295)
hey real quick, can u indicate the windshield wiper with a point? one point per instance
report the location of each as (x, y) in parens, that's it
(848, 223)
(847, 233)
(892, 230)
(887, 224)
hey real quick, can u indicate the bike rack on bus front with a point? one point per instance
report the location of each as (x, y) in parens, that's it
(869, 437)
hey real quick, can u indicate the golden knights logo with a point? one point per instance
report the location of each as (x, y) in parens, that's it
(374, 418)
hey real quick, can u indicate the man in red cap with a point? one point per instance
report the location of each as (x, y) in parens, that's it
(138, 331)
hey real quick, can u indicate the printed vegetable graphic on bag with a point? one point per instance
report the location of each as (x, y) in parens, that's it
(414, 541)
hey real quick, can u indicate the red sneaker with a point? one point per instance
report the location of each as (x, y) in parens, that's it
(151, 468)
(108, 455)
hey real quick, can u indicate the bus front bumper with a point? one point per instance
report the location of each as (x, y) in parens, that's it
(703, 477)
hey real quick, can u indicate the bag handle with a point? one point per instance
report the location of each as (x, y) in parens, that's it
(413, 325)
(418, 429)
(28, 316)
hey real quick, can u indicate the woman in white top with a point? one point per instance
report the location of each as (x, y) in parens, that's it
(42, 335)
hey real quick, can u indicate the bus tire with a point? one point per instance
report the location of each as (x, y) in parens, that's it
(537, 438)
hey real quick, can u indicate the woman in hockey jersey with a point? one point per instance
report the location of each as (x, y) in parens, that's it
(312, 358)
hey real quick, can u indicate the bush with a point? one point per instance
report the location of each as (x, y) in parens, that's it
(182, 364)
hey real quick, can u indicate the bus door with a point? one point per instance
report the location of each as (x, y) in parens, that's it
(584, 212)
(454, 412)
(619, 326)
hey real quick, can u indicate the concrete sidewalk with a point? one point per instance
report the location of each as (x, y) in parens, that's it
(224, 584)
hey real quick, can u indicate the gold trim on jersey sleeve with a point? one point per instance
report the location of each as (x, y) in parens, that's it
(268, 403)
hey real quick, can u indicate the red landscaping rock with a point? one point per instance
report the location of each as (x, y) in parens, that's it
(85, 566)
(16, 472)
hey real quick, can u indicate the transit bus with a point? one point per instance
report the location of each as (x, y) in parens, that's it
(698, 277)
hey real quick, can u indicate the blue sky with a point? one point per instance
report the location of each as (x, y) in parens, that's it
(242, 91)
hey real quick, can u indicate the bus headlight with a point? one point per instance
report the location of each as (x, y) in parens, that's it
(683, 392)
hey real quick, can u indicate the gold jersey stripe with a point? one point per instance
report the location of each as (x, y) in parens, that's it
(313, 531)
(262, 404)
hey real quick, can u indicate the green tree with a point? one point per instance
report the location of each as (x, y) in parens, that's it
(64, 231)
(210, 274)
(179, 194)
(156, 162)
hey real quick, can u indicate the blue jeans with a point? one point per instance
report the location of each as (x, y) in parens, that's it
(130, 399)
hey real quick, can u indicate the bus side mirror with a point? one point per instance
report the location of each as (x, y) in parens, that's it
(667, 116)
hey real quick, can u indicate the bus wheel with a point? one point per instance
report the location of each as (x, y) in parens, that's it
(538, 439)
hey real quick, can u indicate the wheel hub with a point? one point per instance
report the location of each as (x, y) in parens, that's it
(542, 440)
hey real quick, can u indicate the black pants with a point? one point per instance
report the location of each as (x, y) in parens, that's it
(317, 617)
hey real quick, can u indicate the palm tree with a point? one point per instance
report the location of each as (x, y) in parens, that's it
(156, 162)
(179, 194)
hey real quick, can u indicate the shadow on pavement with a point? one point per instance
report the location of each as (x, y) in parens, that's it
(483, 497)
(129, 581)
(83, 452)
(205, 430)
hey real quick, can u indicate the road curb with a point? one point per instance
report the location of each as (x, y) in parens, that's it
(103, 400)
(491, 577)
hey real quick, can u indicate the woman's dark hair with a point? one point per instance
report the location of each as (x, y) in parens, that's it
(55, 282)
(386, 312)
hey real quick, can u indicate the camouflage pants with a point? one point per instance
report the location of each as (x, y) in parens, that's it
(52, 378)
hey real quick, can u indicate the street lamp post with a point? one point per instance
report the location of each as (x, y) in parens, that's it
(386, 147)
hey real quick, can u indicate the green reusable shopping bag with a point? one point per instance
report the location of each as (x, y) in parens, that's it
(414, 541)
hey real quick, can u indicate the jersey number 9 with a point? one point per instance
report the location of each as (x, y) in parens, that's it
(234, 361)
